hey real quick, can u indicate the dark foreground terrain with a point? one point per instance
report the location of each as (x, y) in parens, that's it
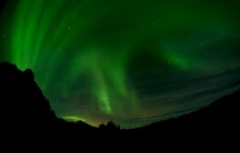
(25, 114)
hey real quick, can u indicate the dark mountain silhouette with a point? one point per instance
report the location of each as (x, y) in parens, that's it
(218, 122)
(23, 105)
(22, 102)
(223, 111)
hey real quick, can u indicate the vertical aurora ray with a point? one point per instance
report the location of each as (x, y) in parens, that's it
(99, 60)
(45, 21)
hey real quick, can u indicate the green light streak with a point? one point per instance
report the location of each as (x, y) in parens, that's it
(73, 118)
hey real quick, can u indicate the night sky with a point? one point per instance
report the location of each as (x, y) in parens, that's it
(131, 61)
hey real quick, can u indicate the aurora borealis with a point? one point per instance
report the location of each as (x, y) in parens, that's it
(133, 62)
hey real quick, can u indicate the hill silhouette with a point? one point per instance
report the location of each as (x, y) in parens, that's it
(22, 102)
(23, 105)
(218, 122)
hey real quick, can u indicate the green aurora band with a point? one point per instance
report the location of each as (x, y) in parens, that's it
(97, 60)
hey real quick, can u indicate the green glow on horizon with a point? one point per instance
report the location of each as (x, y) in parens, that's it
(73, 118)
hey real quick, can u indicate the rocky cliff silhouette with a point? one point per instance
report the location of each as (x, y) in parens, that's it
(21, 101)
(23, 105)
